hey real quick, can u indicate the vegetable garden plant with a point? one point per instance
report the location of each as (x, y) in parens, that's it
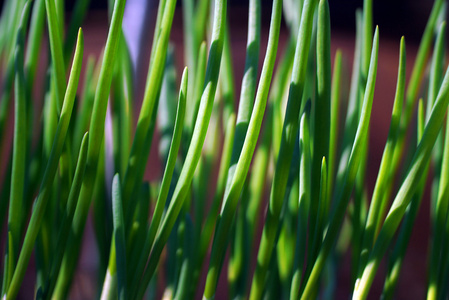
(283, 141)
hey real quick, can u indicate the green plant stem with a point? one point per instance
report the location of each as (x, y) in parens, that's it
(415, 80)
(231, 199)
(322, 107)
(208, 227)
(50, 172)
(304, 203)
(67, 219)
(384, 174)
(406, 191)
(57, 57)
(15, 214)
(405, 232)
(197, 141)
(115, 280)
(141, 143)
(166, 180)
(77, 16)
(289, 136)
(96, 134)
(441, 208)
(334, 124)
(34, 42)
(338, 213)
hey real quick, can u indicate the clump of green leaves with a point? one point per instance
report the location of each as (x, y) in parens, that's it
(282, 143)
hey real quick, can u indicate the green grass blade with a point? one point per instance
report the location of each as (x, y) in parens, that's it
(335, 120)
(352, 114)
(338, 213)
(435, 78)
(231, 199)
(436, 69)
(193, 103)
(67, 219)
(12, 26)
(86, 99)
(57, 57)
(322, 205)
(114, 286)
(304, 203)
(289, 137)
(16, 215)
(194, 152)
(248, 89)
(406, 191)
(96, 134)
(208, 227)
(34, 42)
(77, 16)
(416, 78)
(442, 204)
(405, 232)
(322, 106)
(367, 38)
(201, 13)
(278, 93)
(170, 166)
(384, 176)
(140, 146)
(190, 40)
(50, 172)
(166, 181)
(226, 78)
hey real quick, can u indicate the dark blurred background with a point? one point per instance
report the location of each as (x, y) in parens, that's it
(401, 17)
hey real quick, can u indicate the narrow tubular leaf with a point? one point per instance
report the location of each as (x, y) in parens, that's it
(322, 106)
(208, 227)
(399, 250)
(140, 147)
(367, 37)
(338, 213)
(248, 86)
(50, 172)
(57, 57)
(68, 217)
(304, 203)
(289, 137)
(230, 200)
(278, 92)
(194, 103)
(405, 193)
(440, 204)
(436, 69)
(322, 204)
(441, 215)
(34, 42)
(416, 78)
(77, 16)
(20, 140)
(435, 78)
(384, 176)
(335, 120)
(352, 114)
(441, 210)
(172, 155)
(119, 236)
(166, 179)
(96, 134)
(196, 144)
